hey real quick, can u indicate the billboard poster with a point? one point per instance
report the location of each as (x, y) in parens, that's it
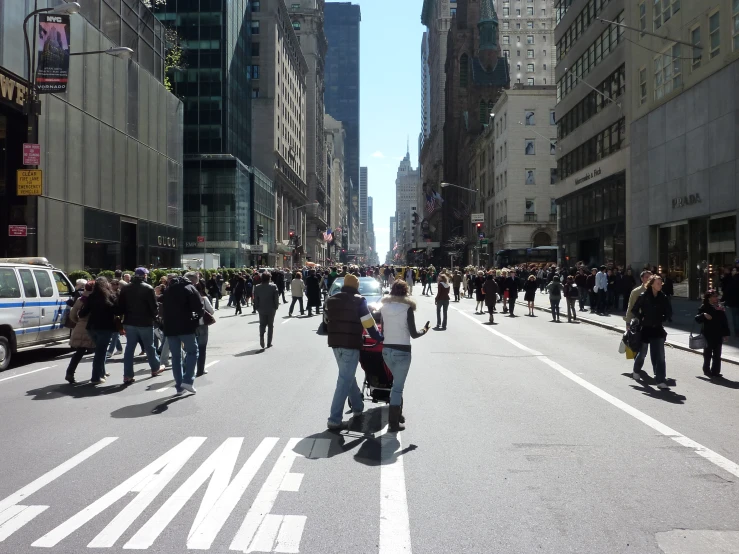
(52, 72)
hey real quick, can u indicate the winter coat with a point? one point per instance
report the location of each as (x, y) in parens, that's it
(182, 308)
(266, 298)
(348, 316)
(555, 290)
(442, 293)
(398, 322)
(652, 311)
(80, 338)
(511, 285)
(313, 291)
(457, 281)
(100, 314)
(490, 288)
(297, 288)
(138, 304)
(718, 326)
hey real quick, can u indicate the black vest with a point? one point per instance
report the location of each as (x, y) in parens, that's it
(344, 326)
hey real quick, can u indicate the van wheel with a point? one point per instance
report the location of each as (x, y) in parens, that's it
(5, 353)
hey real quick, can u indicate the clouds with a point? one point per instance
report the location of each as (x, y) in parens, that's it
(378, 154)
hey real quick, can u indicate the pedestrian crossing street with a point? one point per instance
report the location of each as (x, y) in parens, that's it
(224, 486)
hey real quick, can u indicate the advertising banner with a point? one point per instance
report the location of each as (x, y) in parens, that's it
(52, 72)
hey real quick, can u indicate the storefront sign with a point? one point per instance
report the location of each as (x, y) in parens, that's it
(170, 242)
(593, 173)
(31, 154)
(52, 72)
(201, 240)
(13, 90)
(29, 182)
(687, 200)
(17, 231)
(213, 244)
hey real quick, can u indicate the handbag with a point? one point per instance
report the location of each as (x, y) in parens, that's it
(697, 342)
(208, 318)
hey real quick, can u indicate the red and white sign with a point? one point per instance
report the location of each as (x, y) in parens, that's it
(31, 154)
(201, 239)
(17, 231)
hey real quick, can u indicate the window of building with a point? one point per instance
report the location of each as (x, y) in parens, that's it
(553, 176)
(518, 12)
(530, 11)
(667, 72)
(463, 70)
(255, 49)
(506, 12)
(254, 71)
(529, 24)
(255, 92)
(529, 68)
(530, 82)
(506, 39)
(543, 12)
(506, 53)
(643, 86)
(529, 147)
(695, 39)
(255, 27)
(530, 39)
(518, 39)
(453, 11)
(530, 176)
(518, 26)
(544, 67)
(735, 25)
(506, 25)
(553, 207)
(714, 31)
(530, 206)
(518, 53)
(643, 17)
(530, 54)
(664, 10)
(518, 66)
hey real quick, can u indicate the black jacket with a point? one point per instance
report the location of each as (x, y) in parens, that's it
(182, 308)
(511, 285)
(101, 313)
(718, 326)
(138, 304)
(652, 311)
(344, 313)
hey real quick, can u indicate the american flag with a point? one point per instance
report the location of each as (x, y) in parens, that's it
(327, 235)
(430, 204)
(396, 246)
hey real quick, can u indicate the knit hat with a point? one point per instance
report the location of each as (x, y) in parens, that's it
(351, 281)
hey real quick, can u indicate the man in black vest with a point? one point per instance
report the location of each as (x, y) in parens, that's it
(348, 316)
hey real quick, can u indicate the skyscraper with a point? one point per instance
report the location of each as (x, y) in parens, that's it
(341, 25)
(363, 222)
(425, 90)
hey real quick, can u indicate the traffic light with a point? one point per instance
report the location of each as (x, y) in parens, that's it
(479, 227)
(292, 235)
(260, 232)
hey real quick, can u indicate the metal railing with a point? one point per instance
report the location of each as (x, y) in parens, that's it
(529, 217)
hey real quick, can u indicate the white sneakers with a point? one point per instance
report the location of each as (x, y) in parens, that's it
(636, 376)
(188, 388)
(662, 386)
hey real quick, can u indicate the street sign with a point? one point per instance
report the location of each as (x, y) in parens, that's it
(31, 154)
(28, 182)
(201, 239)
(478, 218)
(484, 242)
(17, 231)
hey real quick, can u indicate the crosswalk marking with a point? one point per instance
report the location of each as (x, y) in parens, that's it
(14, 516)
(395, 533)
(165, 467)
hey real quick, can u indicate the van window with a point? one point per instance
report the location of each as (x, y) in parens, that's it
(9, 284)
(44, 283)
(62, 285)
(29, 285)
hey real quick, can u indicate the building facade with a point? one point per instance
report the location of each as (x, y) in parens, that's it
(110, 146)
(279, 116)
(527, 40)
(342, 22)
(335, 136)
(363, 221)
(307, 21)
(213, 80)
(393, 237)
(521, 180)
(593, 137)
(425, 91)
(684, 164)
(407, 187)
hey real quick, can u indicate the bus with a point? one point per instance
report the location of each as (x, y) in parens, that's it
(525, 256)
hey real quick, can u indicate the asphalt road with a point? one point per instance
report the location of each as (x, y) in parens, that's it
(525, 436)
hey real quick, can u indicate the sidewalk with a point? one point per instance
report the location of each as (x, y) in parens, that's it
(678, 331)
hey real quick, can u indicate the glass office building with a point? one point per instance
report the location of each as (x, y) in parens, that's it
(214, 84)
(111, 145)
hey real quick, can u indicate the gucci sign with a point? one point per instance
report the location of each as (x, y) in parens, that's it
(167, 241)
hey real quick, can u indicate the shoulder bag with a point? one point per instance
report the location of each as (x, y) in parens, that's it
(696, 342)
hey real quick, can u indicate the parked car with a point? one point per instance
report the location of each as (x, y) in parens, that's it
(33, 305)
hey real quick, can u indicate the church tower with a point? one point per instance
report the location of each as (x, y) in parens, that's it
(487, 29)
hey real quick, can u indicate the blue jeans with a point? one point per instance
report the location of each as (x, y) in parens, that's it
(346, 384)
(399, 362)
(134, 336)
(190, 344)
(101, 340)
(441, 305)
(115, 343)
(656, 348)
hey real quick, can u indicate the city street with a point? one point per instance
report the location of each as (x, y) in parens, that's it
(524, 436)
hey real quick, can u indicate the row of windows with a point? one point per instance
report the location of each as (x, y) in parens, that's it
(598, 51)
(529, 39)
(613, 87)
(560, 9)
(600, 146)
(529, 12)
(529, 25)
(587, 16)
(597, 203)
(530, 54)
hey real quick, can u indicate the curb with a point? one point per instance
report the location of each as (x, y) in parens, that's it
(620, 330)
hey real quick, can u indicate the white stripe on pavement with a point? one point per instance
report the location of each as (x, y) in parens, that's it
(26, 373)
(713, 457)
(395, 528)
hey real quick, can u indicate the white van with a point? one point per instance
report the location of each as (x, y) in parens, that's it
(33, 305)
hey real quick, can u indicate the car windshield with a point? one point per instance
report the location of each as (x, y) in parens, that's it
(367, 287)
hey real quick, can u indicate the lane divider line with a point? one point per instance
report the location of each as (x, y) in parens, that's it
(395, 527)
(26, 373)
(713, 457)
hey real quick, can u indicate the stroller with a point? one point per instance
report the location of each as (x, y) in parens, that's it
(378, 380)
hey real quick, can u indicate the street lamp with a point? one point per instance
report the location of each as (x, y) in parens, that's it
(444, 185)
(122, 52)
(552, 142)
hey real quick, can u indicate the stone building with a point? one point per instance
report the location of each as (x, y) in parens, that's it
(278, 77)
(476, 74)
(307, 21)
(334, 146)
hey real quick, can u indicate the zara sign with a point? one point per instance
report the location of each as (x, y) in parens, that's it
(687, 200)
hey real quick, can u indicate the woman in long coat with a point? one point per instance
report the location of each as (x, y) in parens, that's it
(80, 339)
(313, 292)
(490, 288)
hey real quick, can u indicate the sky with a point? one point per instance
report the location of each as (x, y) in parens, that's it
(390, 100)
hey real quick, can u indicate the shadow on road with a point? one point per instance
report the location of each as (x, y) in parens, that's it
(80, 390)
(720, 381)
(250, 353)
(664, 395)
(154, 407)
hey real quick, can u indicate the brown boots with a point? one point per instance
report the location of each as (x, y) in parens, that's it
(394, 420)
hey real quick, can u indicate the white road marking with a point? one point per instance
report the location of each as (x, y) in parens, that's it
(165, 467)
(713, 457)
(202, 537)
(287, 321)
(26, 373)
(259, 529)
(291, 531)
(395, 529)
(13, 516)
(214, 362)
